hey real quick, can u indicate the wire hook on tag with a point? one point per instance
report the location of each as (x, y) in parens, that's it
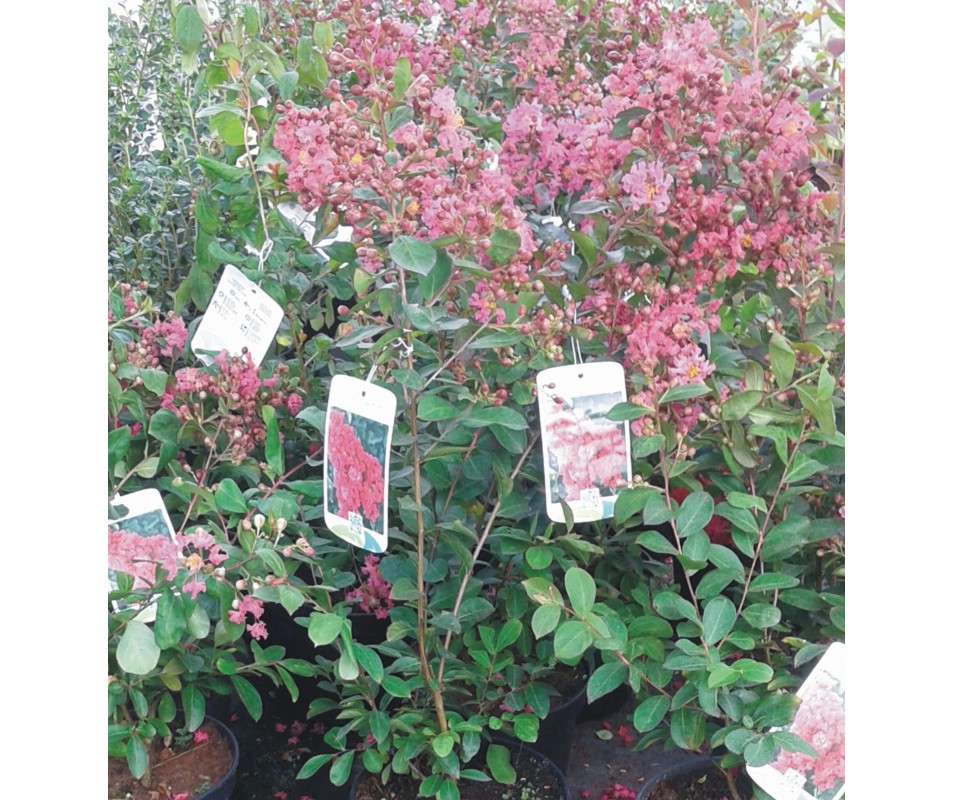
(574, 344)
(264, 253)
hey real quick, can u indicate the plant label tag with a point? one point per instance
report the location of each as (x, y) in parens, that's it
(585, 455)
(819, 723)
(240, 315)
(358, 429)
(140, 536)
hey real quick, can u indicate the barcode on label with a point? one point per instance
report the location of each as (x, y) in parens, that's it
(590, 498)
(354, 524)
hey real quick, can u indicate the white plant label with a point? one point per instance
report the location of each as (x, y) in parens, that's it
(358, 430)
(585, 455)
(240, 315)
(820, 722)
(142, 514)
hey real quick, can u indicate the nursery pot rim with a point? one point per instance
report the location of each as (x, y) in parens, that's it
(515, 745)
(222, 789)
(695, 762)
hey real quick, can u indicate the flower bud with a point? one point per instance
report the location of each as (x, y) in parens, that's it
(259, 520)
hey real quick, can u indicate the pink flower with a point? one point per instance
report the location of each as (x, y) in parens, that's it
(280, 727)
(293, 403)
(258, 630)
(200, 736)
(648, 185)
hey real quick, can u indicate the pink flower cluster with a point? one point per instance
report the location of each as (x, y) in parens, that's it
(139, 556)
(820, 721)
(590, 453)
(201, 555)
(245, 607)
(240, 392)
(374, 593)
(358, 477)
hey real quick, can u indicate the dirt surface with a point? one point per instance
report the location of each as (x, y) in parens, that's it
(602, 760)
(190, 769)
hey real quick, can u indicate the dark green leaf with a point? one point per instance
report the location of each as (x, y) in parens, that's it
(782, 360)
(650, 713)
(249, 696)
(685, 391)
(503, 245)
(688, 728)
(718, 617)
(188, 28)
(498, 761)
(193, 707)
(413, 254)
(694, 513)
(228, 497)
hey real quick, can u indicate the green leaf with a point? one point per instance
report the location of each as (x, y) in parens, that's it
(249, 696)
(760, 752)
(571, 640)
(413, 254)
(380, 725)
(341, 768)
(762, 615)
(737, 406)
(494, 415)
(136, 757)
(786, 537)
(822, 410)
(395, 686)
(228, 497)
(743, 500)
(274, 450)
(545, 619)
(738, 739)
(434, 281)
(193, 707)
(117, 443)
(718, 617)
(625, 411)
(694, 513)
(696, 547)
(498, 761)
(287, 84)
(793, 743)
(526, 727)
(671, 606)
(430, 407)
(656, 542)
(740, 517)
(770, 581)
(171, 621)
(656, 511)
(323, 629)
(188, 28)
(754, 671)
(802, 467)
(650, 713)
(688, 728)
(313, 764)
(685, 391)
(580, 589)
(137, 651)
(220, 170)
(646, 445)
(605, 679)
(443, 744)
(722, 675)
(448, 790)
(631, 501)
(782, 360)
(503, 245)
(402, 77)
(164, 426)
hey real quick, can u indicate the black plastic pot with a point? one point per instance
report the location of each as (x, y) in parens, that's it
(555, 738)
(518, 751)
(693, 764)
(223, 789)
(605, 706)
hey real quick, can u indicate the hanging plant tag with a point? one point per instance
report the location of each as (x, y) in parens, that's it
(820, 723)
(585, 456)
(358, 430)
(240, 315)
(144, 515)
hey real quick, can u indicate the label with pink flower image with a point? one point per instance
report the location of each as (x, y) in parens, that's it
(585, 455)
(358, 430)
(819, 723)
(141, 539)
(240, 315)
